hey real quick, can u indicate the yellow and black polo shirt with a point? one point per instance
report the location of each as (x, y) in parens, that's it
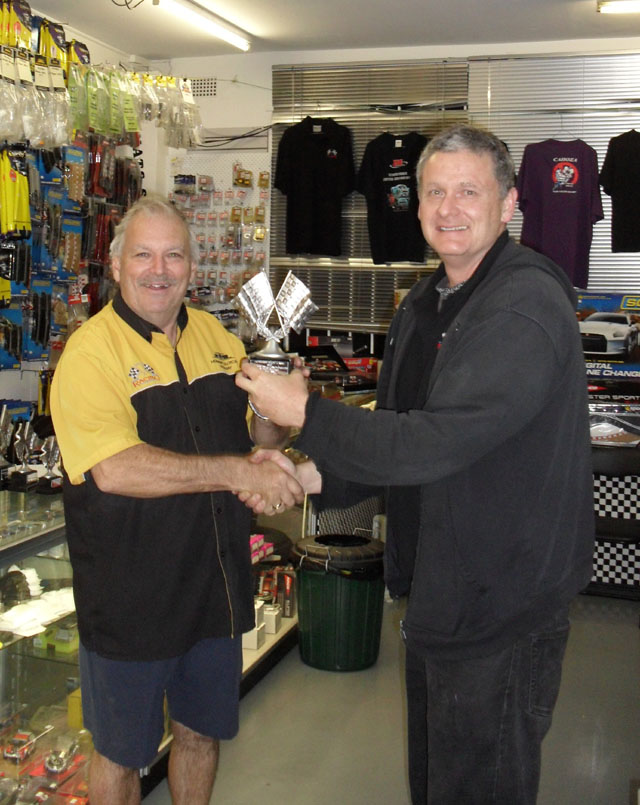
(152, 576)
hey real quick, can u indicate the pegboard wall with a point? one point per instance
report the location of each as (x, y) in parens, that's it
(232, 250)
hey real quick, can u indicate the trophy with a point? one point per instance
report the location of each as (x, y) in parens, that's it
(275, 318)
(6, 427)
(23, 477)
(50, 483)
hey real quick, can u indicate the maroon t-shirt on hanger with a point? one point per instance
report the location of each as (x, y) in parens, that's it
(559, 196)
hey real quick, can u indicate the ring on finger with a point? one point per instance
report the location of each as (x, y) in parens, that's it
(278, 506)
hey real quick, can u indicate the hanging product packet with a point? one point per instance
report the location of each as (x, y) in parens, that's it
(78, 104)
(130, 94)
(98, 101)
(149, 97)
(11, 127)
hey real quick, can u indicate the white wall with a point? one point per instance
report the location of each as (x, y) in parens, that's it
(244, 81)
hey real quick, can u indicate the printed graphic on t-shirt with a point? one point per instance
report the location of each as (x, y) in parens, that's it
(565, 175)
(398, 198)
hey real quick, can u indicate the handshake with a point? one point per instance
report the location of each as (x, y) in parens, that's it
(273, 483)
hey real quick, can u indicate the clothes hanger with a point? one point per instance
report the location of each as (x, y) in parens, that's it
(563, 133)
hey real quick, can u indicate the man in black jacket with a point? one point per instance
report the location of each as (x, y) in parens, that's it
(481, 437)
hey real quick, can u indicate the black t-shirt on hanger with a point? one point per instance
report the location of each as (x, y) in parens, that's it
(388, 182)
(620, 179)
(314, 169)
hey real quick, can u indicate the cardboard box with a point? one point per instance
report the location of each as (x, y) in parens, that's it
(287, 592)
(272, 618)
(368, 366)
(259, 610)
(255, 638)
(610, 331)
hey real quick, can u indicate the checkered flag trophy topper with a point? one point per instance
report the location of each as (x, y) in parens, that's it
(274, 318)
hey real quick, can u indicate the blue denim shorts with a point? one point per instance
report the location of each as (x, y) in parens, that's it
(122, 701)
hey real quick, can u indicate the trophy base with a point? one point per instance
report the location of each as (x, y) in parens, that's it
(272, 359)
(22, 480)
(49, 486)
(273, 365)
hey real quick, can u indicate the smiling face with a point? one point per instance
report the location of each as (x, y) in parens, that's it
(154, 268)
(461, 211)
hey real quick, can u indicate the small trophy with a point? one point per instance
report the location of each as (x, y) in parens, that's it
(50, 483)
(23, 478)
(6, 427)
(290, 310)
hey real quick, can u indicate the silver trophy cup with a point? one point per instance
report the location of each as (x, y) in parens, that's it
(274, 318)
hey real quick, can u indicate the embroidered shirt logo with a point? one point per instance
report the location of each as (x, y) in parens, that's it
(141, 374)
(224, 362)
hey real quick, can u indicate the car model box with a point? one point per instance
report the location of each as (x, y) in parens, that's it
(610, 331)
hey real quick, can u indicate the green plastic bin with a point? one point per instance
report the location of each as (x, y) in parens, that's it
(340, 601)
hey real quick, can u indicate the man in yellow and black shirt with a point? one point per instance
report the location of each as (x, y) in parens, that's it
(154, 437)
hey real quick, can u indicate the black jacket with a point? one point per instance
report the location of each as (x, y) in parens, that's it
(501, 452)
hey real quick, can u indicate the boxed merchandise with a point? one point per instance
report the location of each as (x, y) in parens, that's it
(267, 585)
(255, 638)
(610, 332)
(258, 607)
(272, 618)
(366, 366)
(287, 592)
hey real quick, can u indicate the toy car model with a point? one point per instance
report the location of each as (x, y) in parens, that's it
(19, 746)
(609, 333)
(61, 756)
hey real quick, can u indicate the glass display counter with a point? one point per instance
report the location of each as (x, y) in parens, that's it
(43, 747)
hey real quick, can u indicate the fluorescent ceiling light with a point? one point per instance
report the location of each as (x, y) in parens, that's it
(206, 21)
(619, 6)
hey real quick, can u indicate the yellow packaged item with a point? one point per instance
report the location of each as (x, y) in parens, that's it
(19, 24)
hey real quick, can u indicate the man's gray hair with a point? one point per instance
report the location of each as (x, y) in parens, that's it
(478, 141)
(153, 205)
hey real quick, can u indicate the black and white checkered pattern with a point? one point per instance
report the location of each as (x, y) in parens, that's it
(616, 562)
(617, 497)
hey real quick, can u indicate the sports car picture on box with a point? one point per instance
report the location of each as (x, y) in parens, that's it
(610, 334)
(610, 326)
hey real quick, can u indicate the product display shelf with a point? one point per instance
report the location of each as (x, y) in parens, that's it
(257, 662)
(39, 679)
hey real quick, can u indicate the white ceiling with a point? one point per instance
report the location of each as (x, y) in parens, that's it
(150, 32)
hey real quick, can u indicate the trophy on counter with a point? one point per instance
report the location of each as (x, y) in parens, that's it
(50, 483)
(23, 477)
(274, 318)
(6, 427)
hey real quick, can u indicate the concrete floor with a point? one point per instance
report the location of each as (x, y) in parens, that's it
(313, 737)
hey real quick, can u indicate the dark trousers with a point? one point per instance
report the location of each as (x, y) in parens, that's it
(476, 726)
